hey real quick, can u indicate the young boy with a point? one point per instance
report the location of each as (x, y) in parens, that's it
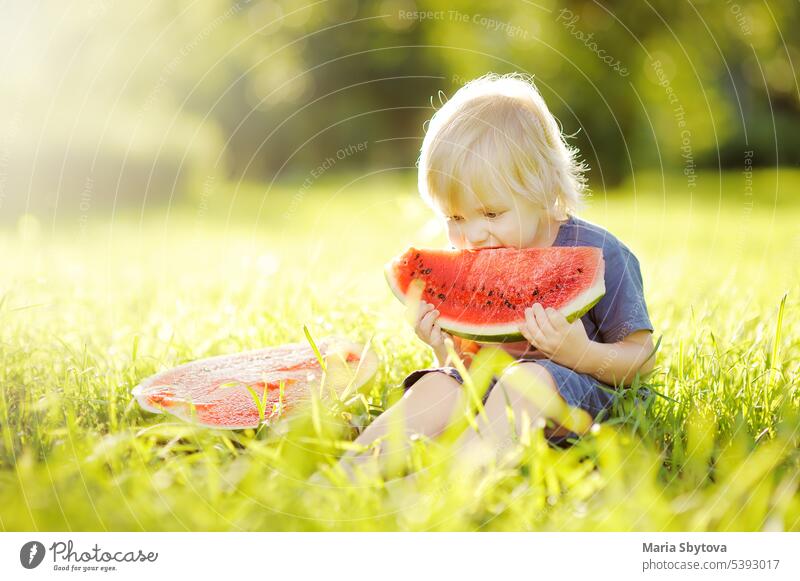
(496, 168)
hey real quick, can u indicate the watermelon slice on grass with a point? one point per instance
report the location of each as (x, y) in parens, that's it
(482, 294)
(217, 392)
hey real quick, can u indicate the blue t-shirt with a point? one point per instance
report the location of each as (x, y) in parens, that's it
(622, 310)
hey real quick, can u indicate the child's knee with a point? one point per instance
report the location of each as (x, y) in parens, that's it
(433, 386)
(505, 387)
(540, 372)
(429, 403)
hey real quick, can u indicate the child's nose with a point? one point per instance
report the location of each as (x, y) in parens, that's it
(477, 233)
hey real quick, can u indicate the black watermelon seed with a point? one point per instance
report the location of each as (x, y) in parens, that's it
(489, 302)
(441, 296)
(491, 292)
(426, 271)
(580, 270)
(536, 291)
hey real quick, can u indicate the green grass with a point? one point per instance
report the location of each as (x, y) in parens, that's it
(86, 314)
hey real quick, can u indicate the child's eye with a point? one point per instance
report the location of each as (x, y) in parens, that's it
(455, 218)
(492, 214)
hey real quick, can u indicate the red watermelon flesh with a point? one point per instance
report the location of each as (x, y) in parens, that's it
(213, 392)
(482, 294)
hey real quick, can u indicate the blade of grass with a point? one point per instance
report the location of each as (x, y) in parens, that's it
(314, 347)
(260, 403)
(773, 362)
(364, 352)
(277, 409)
(469, 384)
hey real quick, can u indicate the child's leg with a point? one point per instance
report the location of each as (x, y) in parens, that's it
(496, 433)
(425, 408)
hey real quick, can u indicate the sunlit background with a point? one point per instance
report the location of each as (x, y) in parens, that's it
(135, 104)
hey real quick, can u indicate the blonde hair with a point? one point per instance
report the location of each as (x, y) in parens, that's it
(496, 134)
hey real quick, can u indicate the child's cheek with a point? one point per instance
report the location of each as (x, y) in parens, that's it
(510, 231)
(455, 236)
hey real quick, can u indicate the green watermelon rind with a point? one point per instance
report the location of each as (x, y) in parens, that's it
(514, 337)
(474, 332)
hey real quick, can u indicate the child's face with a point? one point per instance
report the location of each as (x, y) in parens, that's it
(498, 220)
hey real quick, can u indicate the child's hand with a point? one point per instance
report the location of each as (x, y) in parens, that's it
(427, 329)
(549, 331)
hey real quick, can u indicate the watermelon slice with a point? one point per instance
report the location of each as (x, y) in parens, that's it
(213, 392)
(482, 294)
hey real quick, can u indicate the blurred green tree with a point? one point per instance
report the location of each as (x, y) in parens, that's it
(109, 101)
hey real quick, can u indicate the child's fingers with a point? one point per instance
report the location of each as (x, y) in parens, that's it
(424, 309)
(557, 319)
(537, 337)
(437, 335)
(415, 312)
(530, 321)
(525, 330)
(531, 331)
(443, 336)
(542, 319)
(426, 324)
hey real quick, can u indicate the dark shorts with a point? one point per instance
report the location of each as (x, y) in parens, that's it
(578, 389)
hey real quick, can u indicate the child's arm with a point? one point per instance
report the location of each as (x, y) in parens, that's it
(567, 344)
(618, 363)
